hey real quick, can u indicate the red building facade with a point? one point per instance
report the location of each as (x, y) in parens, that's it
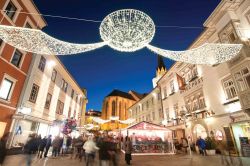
(14, 63)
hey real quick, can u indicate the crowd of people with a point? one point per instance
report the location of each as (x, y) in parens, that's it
(84, 147)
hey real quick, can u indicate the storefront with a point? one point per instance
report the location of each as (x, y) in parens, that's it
(149, 138)
(25, 125)
(241, 132)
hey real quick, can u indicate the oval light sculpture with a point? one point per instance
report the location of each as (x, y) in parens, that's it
(127, 30)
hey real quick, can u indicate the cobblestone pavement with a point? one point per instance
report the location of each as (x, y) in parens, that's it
(164, 160)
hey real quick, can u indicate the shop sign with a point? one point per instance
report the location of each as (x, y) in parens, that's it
(24, 110)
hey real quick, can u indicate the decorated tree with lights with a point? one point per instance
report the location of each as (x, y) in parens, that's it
(68, 126)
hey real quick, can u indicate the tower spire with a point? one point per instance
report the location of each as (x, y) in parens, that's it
(161, 68)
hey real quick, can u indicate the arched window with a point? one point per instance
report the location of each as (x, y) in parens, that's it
(107, 106)
(113, 108)
(120, 109)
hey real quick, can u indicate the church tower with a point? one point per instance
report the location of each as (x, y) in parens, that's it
(160, 70)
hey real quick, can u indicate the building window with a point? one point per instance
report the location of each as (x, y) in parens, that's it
(59, 107)
(74, 115)
(10, 10)
(160, 113)
(72, 93)
(42, 64)
(202, 103)
(172, 86)
(6, 88)
(243, 79)
(16, 59)
(69, 113)
(48, 100)
(167, 113)
(64, 85)
(53, 76)
(147, 104)
(34, 93)
(229, 89)
(165, 92)
(120, 108)
(113, 108)
(159, 96)
(153, 115)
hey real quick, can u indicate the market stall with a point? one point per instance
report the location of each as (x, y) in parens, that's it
(148, 138)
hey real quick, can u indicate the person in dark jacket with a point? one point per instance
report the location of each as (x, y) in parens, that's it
(68, 143)
(41, 147)
(128, 150)
(202, 145)
(48, 144)
(56, 143)
(104, 156)
(3, 149)
(29, 148)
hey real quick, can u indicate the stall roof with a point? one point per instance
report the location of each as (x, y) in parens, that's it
(147, 126)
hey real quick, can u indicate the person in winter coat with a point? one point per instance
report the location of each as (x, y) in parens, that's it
(48, 144)
(128, 150)
(202, 145)
(90, 149)
(30, 148)
(41, 147)
(104, 156)
(3, 149)
(56, 143)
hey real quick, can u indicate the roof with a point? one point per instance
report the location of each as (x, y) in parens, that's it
(119, 93)
(160, 63)
(138, 95)
(147, 126)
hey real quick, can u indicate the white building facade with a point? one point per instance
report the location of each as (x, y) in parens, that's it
(149, 108)
(201, 100)
(50, 95)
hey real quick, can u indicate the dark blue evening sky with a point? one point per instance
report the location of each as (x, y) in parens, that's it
(102, 70)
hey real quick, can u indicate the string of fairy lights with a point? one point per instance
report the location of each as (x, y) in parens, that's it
(125, 30)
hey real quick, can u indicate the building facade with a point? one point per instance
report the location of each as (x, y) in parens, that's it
(50, 96)
(213, 100)
(14, 63)
(116, 105)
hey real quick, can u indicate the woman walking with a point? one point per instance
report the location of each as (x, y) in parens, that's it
(128, 150)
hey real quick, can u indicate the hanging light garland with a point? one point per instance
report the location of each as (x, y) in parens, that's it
(100, 121)
(125, 30)
(128, 121)
(208, 53)
(36, 41)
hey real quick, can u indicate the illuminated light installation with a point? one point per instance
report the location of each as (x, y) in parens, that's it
(128, 121)
(125, 30)
(100, 121)
(36, 41)
(208, 53)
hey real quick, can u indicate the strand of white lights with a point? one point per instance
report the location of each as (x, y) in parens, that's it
(114, 118)
(100, 121)
(208, 53)
(36, 41)
(128, 121)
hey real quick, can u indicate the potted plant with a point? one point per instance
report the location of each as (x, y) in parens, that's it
(210, 146)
